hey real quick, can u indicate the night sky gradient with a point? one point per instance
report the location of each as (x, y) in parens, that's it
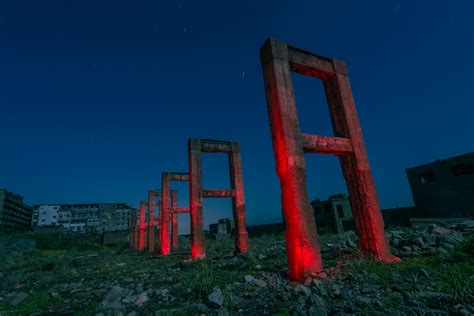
(97, 98)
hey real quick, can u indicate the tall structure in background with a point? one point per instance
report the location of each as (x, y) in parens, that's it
(289, 144)
(45, 215)
(443, 188)
(83, 218)
(197, 193)
(114, 216)
(15, 215)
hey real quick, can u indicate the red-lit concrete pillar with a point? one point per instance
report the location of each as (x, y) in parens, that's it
(289, 144)
(136, 230)
(302, 245)
(151, 220)
(195, 199)
(165, 214)
(174, 220)
(131, 226)
(142, 232)
(356, 167)
(238, 201)
(158, 227)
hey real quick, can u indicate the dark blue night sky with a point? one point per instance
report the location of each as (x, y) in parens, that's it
(97, 98)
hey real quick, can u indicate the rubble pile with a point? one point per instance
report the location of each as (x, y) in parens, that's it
(414, 242)
(434, 277)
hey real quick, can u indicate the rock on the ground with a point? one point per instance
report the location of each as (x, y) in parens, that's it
(19, 298)
(142, 298)
(215, 299)
(113, 299)
(249, 279)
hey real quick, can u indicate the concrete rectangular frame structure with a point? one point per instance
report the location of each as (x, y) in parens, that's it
(289, 145)
(142, 227)
(132, 226)
(135, 229)
(197, 193)
(153, 221)
(170, 210)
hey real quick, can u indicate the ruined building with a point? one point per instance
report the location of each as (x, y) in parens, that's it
(221, 230)
(15, 215)
(334, 213)
(83, 218)
(443, 188)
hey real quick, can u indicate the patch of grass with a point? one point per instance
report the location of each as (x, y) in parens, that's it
(35, 302)
(453, 272)
(283, 312)
(458, 280)
(199, 280)
(48, 242)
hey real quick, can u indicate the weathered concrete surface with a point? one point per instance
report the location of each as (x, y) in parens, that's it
(197, 193)
(165, 213)
(142, 227)
(174, 220)
(289, 145)
(170, 210)
(152, 222)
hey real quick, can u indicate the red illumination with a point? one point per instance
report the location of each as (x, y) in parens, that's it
(289, 146)
(197, 193)
(142, 228)
(165, 214)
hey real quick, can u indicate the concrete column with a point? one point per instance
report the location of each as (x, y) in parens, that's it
(158, 234)
(174, 220)
(356, 169)
(238, 201)
(195, 199)
(131, 232)
(165, 214)
(136, 229)
(151, 220)
(142, 233)
(302, 246)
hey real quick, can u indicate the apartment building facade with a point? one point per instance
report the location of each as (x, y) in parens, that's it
(15, 215)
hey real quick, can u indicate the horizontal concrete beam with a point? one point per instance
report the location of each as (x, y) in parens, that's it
(155, 192)
(326, 144)
(179, 176)
(218, 193)
(183, 209)
(216, 147)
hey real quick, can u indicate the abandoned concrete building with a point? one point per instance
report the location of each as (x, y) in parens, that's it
(45, 215)
(221, 230)
(83, 218)
(114, 216)
(443, 188)
(334, 213)
(15, 215)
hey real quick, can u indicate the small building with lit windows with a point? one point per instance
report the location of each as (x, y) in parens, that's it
(443, 188)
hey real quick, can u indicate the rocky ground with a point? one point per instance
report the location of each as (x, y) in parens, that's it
(436, 277)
